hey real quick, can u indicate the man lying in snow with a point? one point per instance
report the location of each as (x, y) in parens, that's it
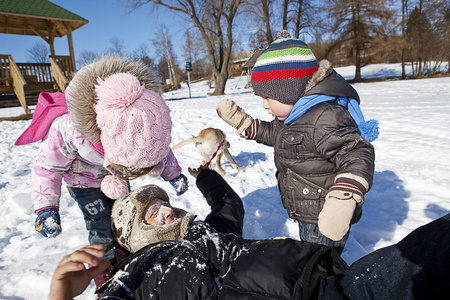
(177, 257)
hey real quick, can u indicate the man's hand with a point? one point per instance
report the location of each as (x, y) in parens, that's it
(71, 277)
(195, 172)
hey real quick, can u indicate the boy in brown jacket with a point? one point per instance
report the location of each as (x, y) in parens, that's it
(322, 150)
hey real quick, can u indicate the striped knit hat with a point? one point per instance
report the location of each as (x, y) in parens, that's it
(283, 70)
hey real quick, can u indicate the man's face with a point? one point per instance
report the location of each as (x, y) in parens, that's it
(159, 212)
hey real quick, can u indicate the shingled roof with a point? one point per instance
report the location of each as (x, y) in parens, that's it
(31, 17)
(252, 60)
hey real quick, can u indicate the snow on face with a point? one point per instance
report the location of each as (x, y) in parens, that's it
(159, 213)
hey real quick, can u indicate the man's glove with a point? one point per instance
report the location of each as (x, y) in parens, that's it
(48, 222)
(180, 184)
(337, 213)
(234, 115)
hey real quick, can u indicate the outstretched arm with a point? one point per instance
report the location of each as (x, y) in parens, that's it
(227, 210)
(71, 277)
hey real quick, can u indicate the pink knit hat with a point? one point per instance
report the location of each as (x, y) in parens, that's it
(135, 122)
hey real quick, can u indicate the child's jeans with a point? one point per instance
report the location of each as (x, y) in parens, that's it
(96, 208)
(310, 233)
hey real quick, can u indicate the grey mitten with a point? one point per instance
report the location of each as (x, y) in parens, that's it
(337, 213)
(234, 115)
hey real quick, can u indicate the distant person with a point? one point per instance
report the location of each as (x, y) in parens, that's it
(176, 256)
(114, 127)
(322, 150)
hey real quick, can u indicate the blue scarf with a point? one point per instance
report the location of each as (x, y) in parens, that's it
(367, 129)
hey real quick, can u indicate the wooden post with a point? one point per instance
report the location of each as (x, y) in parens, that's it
(71, 51)
(51, 41)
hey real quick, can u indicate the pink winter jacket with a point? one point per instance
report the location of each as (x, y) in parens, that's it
(65, 154)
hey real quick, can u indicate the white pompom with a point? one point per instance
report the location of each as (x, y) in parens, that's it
(114, 187)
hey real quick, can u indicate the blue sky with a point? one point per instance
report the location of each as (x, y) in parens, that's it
(107, 19)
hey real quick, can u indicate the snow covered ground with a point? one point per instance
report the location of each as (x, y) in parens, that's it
(411, 183)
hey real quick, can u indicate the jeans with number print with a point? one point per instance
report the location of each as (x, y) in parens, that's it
(310, 233)
(96, 208)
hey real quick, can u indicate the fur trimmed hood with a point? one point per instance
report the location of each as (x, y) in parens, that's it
(81, 95)
(325, 69)
(327, 81)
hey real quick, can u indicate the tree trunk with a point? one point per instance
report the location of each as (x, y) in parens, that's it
(357, 63)
(285, 13)
(220, 84)
(404, 14)
(266, 12)
(298, 20)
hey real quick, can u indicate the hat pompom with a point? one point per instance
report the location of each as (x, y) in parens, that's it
(118, 90)
(157, 170)
(114, 187)
(369, 130)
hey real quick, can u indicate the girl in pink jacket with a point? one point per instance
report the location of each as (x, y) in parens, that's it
(111, 126)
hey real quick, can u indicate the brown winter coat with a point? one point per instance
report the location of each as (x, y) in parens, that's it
(310, 152)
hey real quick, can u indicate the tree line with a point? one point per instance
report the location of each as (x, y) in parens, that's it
(346, 32)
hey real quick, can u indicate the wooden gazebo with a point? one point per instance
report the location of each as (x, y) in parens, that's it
(49, 21)
(247, 68)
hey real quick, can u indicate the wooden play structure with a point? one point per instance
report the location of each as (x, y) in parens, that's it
(49, 21)
(247, 68)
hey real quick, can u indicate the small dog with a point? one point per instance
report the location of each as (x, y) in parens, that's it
(207, 143)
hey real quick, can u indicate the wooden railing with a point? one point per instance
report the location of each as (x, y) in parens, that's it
(36, 72)
(65, 64)
(5, 75)
(18, 83)
(29, 78)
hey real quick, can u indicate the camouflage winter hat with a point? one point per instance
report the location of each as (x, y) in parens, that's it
(128, 226)
(283, 70)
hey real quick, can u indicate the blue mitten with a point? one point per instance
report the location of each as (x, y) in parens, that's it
(48, 222)
(180, 184)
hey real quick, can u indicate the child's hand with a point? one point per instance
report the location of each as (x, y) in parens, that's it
(180, 184)
(337, 213)
(48, 222)
(234, 115)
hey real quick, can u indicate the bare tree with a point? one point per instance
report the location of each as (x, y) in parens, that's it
(304, 15)
(194, 51)
(86, 57)
(265, 6)
(141, 53)
(117, 46)
(438, 12)
(39, 52)
(357, 22)
(285, 20)
(420, 37)
(296, 15)
(164, 46)
(261, 11)
(214, 19)
(403, 40)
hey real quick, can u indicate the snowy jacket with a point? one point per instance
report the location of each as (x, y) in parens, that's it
(65, 154)
(320, 146)
(213, 261)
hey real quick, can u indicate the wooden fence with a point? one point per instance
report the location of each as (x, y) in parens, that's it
(28, 78)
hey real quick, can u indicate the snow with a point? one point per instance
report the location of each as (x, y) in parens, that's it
(411, 183)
